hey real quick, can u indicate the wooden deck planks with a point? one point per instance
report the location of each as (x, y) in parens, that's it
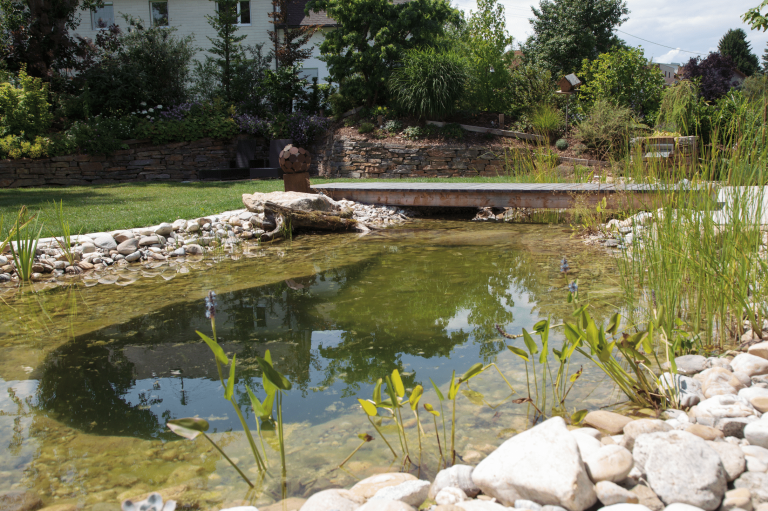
(521, 195)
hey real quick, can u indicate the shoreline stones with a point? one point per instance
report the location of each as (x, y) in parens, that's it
(96, 252)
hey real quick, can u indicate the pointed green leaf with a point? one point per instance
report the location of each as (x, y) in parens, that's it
(453, 388)
(472, 371)
(267, 405)
(440, 396)
(258, 407)
(377, 391)
(530, 343)
(428, 407)
(577, 417)
(230, 391)
(416, 393)
(184, 432)
(474, 397)
(215, 348)
(544, 351)
(193, 423)
(613, 324)
(398, 382)
(520, 353)
(270, 373)
(540, 325)
(368, 407)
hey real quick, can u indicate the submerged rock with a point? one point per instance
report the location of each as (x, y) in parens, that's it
(20, 501)
(542, 464)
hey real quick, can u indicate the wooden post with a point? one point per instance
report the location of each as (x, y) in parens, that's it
(501, 121)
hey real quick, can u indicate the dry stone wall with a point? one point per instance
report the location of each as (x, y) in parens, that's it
(142, 161)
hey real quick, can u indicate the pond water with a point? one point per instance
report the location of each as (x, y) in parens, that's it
(90, 373)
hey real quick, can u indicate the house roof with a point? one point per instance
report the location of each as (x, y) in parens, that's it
(297, 18)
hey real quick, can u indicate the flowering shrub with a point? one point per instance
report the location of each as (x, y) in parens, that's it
(302, 128)
(187, 122)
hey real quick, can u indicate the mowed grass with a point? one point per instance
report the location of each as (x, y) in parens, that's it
(101, 208)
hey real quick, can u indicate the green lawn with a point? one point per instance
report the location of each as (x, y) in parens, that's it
(111, 207)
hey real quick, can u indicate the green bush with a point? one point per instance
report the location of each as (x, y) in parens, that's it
(607, 128)
(547, 120)
(393, 126)
(561, 144)
(366, 127)
(682, 110)
(349, 122)
(453, 130)
(430, 82)
(14, 146)
(96, 135)
(201, 120)
(24, 109)
(340, 104)
(414, 132)
(529, 85)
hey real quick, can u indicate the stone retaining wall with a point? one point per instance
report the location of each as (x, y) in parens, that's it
(142, 161)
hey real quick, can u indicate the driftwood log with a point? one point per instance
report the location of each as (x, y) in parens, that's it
(287, 218)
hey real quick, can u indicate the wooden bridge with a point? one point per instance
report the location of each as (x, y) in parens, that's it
(505, 195)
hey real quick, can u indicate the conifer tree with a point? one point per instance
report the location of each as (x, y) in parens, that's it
(226, 44)
(735, 45)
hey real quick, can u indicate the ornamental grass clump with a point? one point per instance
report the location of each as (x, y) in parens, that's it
(430, 82)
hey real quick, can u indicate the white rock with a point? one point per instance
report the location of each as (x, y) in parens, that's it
(241, 508)
(732, 458)
(611, 463)
(681, 507)
(751, 392)
(611, 493)
(755, 465)
(449, 496)
(193, 249)
(135, 256)
(514, 470)
(597, 435)
(625, 507)
(412, 493)
(527, 504)
(756, 433)
(105, 242)
(721, 406)
(368, 487)
(457, 476)
(717, 381)
(640, 427)
(759, 350)
(481, 505)
(164, 229)
(333, 500)
(751, 365)
(179, 224)
(88, 248)
(740, 498)
(192, 226)
(760, 453)
(719, 362)
(588, 445)
(683, 389)
(690, 364)
(385, 505)
(681, 467)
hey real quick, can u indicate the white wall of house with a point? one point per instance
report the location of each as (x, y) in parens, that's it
(188, 17)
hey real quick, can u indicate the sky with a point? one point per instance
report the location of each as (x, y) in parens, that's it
(690, 25)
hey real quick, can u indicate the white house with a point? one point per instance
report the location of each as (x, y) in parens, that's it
(188, 17)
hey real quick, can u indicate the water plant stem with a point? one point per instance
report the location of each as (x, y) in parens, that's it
(229, 460)
(382, 436)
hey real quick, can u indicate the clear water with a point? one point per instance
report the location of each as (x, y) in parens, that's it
(95, 370)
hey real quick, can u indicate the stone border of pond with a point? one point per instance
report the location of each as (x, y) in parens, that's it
(213, 235)
(712, 457)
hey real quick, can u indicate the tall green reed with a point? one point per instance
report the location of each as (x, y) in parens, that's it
(25, 235)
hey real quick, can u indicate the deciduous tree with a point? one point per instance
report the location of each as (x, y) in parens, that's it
(714, 73)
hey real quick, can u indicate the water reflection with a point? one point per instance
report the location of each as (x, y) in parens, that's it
(422, 304)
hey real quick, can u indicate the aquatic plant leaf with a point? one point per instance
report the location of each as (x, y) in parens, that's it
(398, 382)
(472, 371)
(575, 376)
(230, 391)
(453, 388)
(613, 324)
(544, 333)
(377, 391)
(540, 326)
(365, 437)
(530, 343)
(268, 402)
(368, 407)
(520, 353)
(416, 393)
(428, 407)
(577, 417)
(215, 348)
(270, 373)
(258, 407)
(440, 396)
(474, 397)
(189, 427)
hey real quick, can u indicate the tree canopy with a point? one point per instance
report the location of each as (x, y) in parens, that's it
(714, 73)
(565, 32)
(371, 37)
(735, 45)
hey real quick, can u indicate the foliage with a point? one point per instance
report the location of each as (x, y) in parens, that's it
(198, 120)
(547, 121)
(529, 85)
(289, 42)
(624, 77)
(429, 83)
(566, 32)
(97, 135)
(453, 130)
(755, 19)
(150, 65)
(681, 110)
(561, 144)
(371, 37)
(365, 127)
(283, 88)
(419, 132)
(304, 129)
(487, 48)
(25, 236)
(225, 46)
(393, 126)
(24, 109)
(734, 44)
(755, 87)
(607, 128)
(14, 146)
(715, 74)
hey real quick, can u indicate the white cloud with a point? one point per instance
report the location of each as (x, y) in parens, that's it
(669, 57)
(696, 26)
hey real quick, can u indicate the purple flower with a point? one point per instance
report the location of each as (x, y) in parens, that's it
(210, 305)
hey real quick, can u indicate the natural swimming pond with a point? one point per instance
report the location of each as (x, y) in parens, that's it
(91, 373)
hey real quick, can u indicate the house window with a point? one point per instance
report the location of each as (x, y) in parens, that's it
(243, 13)
(308, 73)
(102, 17)
(158, 12)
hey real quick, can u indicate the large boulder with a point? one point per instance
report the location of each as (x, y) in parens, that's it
(722, 406)
(294, 200)
(751, 365)
(457, 476)
(542, 464)
(681, 467)
(732, 458)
